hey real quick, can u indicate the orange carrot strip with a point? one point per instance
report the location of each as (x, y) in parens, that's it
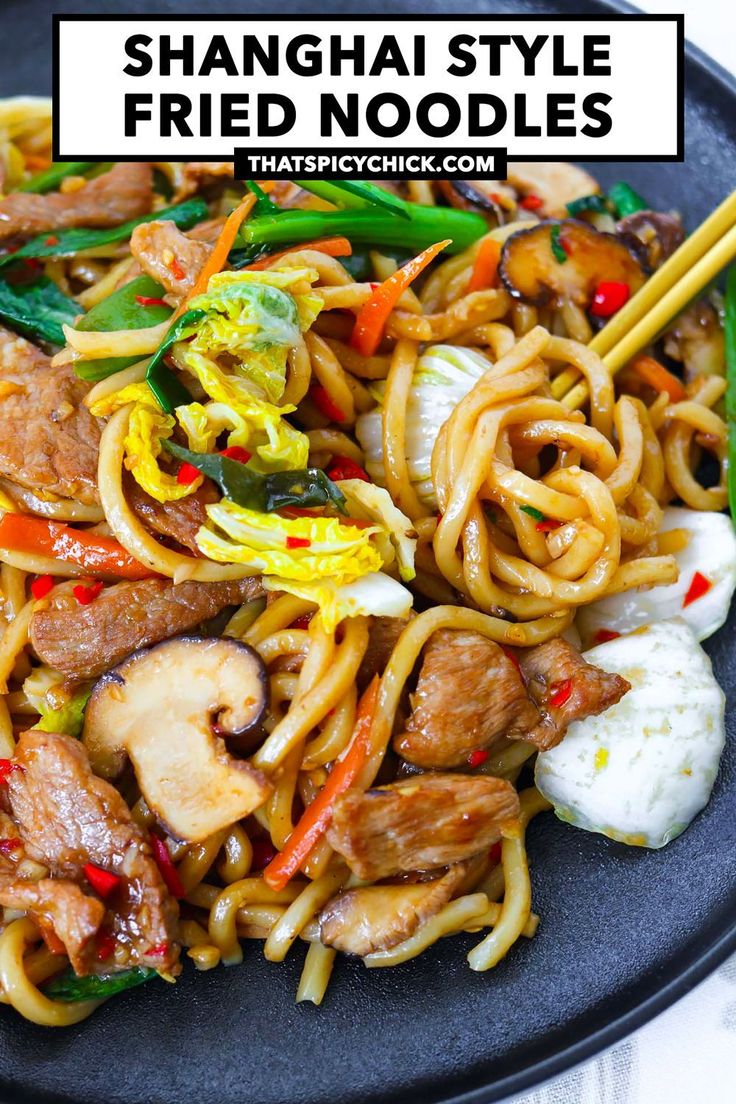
(373, 315)
(317, 816)
(657, 376)
(96, 553)
(36, 163)
(485, 266)
(218, 257)
(333, 247)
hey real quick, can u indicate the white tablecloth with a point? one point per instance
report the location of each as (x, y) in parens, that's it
(685, 1056)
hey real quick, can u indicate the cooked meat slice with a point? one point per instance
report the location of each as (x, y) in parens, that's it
(565, 688)
(382, 637)
(48, 439)
(420, 823)
(469, 694)
(376, 918)
(556, 183)
(180, 520)
(118, 195)
(192, 174)
(84, 641)
(67, 817)
(158, 245)
(61, 905)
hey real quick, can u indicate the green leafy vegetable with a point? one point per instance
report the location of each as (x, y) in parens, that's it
(65, 243)
(50, 179)
(69, 717)
(596, 203)
(533, 512)
(263, 205)
(370, 226)
(729, 327)
(266, 493)
(162, 185)
(357, 194)
(68, 987)
(556, 245)
(121, 311)
(167, 389)
(626, 200)
(38, 309)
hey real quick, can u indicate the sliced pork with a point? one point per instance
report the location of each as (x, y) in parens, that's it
(85, 641)
(68, 817)
(181, 520)
(48, 439)
(376, 918)
(565, 688)
(469, 694)
(168, 256)
(123, 193)
(421, 823)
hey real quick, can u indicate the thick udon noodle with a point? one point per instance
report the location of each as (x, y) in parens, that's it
(509, 444)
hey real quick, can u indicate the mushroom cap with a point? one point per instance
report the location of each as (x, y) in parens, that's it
(530, 271)
(158, 708)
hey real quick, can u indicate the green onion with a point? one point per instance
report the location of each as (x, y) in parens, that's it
(50, 179)
(68, 987)
(37, 310)
(596, 203)
(357, 194)
(533, 512)
(121, 311)
(263, 205)
(248, 488)
(367, 226)
(556, 245)
(65, 243)
(168, 390)
(626, 200)
(729, 328)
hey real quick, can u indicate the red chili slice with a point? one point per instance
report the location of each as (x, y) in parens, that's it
(342, 467)
(236, 452)
(7, 766)
(187, 473)
(176, 270)
(547, 525)
(160, 950)
(477, 757)
(41, 585)
(106, 943)
(561, 693)
(531, 203)
(150, 301)
(167, 870)
(51, 240)
(510, 655)
(87, 592)
(8, 846)
(604, 635)
(610, 296)
(298, 542)
(698, 587)
(321, 399)
(102, 881)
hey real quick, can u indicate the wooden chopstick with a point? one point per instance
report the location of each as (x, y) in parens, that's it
(691, 267)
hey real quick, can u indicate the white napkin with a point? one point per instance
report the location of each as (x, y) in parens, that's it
(685, 1056)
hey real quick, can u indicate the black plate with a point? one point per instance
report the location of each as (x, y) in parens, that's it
(624, 932)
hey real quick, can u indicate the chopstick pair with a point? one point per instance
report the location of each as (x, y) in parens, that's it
(690, 269)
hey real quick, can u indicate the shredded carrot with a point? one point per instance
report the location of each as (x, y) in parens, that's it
(373, 315)
(218, 257)
(656, 375)
(317, 816)
(36, 163)
(485, 266)
(96, 553)
(332, 247)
